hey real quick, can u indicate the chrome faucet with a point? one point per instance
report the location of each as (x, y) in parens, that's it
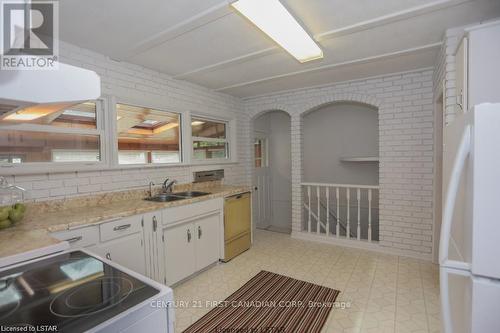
(167, 186)
(151, 184)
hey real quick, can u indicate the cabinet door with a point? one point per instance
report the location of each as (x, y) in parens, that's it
(178, 252)
(127, 251)
(207, 240)
(461, 76)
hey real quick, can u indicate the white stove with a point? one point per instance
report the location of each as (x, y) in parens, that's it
(75, 291)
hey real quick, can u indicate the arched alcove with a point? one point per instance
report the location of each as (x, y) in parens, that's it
(340, 170)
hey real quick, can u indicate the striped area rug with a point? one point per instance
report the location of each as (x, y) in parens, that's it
(270, 302)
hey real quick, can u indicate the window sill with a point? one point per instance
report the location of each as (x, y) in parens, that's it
(12, 170)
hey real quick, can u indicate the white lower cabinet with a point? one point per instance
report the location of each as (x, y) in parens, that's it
(122, 241)
(190, 239)
(127, 251)
(167, 245)
(178, 252)
(190, 246)
(207, 240)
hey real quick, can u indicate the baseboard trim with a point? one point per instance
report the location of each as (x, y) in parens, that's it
(360, 245)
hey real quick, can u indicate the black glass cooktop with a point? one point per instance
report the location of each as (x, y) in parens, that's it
(71, 292)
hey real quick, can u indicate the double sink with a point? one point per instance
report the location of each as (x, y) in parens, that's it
(167, 197)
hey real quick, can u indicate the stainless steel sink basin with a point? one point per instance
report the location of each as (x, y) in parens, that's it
(165, 198)
(191, 194)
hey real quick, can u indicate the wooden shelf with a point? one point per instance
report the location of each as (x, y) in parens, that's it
(360, 159)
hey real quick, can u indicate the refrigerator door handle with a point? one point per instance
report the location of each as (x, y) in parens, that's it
(451, 193)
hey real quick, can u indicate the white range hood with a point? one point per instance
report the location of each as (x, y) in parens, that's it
(44, 90)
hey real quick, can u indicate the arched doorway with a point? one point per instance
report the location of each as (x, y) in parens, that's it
(272, 202)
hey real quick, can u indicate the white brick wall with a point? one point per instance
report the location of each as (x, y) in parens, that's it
(405, 103)
(445, 71)
(145, 87)
(406, 145)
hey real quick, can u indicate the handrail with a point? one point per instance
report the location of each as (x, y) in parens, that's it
(375, 187)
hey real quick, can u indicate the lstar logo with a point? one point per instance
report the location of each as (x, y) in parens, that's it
(29, 35)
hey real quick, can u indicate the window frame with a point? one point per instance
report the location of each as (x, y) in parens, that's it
(264, 157)
(230, 126)
(114, 162)
(44, 167)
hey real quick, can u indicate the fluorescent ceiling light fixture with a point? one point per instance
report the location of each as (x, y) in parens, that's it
(275, 20)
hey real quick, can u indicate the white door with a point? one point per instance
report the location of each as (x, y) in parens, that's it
(261, 182)
(127, 251)
(207, 230)
(471, 163)
(178, 252)
(469, 303)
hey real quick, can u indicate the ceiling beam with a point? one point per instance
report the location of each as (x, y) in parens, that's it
(390, 18)
(194, 22)
(232, 61)
(351, 29)
(330, 66)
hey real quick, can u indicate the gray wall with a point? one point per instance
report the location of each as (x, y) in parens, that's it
(336, 131)
(276, 124)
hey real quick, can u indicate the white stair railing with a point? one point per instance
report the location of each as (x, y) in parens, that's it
(320, 197)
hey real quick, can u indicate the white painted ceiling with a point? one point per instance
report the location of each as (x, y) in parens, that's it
(206, 42)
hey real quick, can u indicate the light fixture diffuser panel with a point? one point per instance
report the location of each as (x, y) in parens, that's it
(275, 20)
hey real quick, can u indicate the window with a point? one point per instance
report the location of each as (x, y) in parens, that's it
(209, 139)
(147, 136)
(52, 133)
(260, 153)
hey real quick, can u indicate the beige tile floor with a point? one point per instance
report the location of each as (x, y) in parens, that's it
(386, 293)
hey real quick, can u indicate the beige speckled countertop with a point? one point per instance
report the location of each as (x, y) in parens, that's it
(33, 232)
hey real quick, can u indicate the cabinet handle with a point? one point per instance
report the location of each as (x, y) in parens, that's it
(155, 223)
(74, 239)
(108, 256)
(189, 235)
(121, 227)
(199, 232)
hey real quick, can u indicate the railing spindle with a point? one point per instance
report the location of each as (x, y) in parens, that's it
(358, 231)
(327, 193)
(370, 215)
(337, 226)
(309, 209)
(318, 226)
(340, 221)
(348, 229)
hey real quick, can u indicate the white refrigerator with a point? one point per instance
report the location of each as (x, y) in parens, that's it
(469, 249)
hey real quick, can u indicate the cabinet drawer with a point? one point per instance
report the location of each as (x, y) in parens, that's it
(190, 211)
(120, 228)
(78, 238)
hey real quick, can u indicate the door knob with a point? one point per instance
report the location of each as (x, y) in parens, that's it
(108, 256)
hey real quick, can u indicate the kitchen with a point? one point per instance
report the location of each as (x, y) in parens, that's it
(213, 154)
